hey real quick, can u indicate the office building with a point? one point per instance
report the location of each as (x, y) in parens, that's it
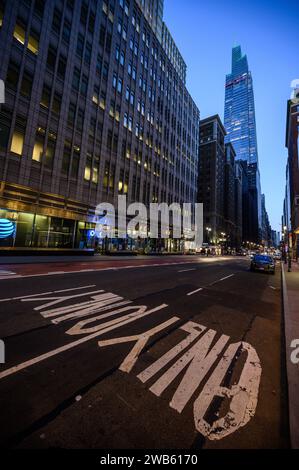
(231, 209)
(95, 107)
(211, 177)
(291, 202)
(240, 125)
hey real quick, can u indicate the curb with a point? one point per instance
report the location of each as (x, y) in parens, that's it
(292, 369)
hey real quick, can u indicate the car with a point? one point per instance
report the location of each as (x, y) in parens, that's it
(263, 263)
(277, 256)
(241, 252)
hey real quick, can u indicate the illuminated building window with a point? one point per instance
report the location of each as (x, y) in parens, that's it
(111, 111)
(17, 142)
(87, 172)
(19, 34)
(33, 44)
(126, 183)
(95, 175)
(95, 99)
(117, 113)
(1, 14)
(38, 149)
(103, 101)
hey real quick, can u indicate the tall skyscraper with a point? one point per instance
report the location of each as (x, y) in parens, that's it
(239, 121)
(239, 113)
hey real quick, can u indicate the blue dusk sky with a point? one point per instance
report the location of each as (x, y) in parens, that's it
(268, 32)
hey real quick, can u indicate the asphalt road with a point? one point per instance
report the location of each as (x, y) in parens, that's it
(162, 355)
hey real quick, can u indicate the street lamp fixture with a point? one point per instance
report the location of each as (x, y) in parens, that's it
(209, 230)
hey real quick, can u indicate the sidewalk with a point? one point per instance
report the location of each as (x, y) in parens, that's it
(290, 284)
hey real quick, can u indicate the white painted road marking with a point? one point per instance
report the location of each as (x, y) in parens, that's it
(54, 352)
(7, 274)
(102, 269)
(54, 273)
(194, 331)
(47, 293)
(241, 398)
(202, 261)
(141, 340)
(97, 331)
(243, 395)
(195, 291)
(215, 282)
(224, 278)
(186, 270)
(200, 360)
(57, 300)
(141, 312)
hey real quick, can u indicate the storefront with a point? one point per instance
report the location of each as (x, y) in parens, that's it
(29, 230)
(25, 230)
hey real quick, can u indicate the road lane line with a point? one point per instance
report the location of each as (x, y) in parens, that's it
(227, 277)
(195, 291)
(55, 272)
(12, 276)
(111, 269)
(56, 300)
(186, 270)
(222, 279)
(47, 355)
(107, 327)
(74, 288)
(47, 293)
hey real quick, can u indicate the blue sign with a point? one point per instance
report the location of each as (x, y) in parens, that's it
(7, 228)
(90, 234)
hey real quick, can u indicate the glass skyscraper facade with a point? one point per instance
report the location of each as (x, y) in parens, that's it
(239, 113)
(239, 122)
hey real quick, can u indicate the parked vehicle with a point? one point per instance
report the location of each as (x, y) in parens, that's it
(263, 263)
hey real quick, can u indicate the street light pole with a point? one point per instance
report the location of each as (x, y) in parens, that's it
(209, 230)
